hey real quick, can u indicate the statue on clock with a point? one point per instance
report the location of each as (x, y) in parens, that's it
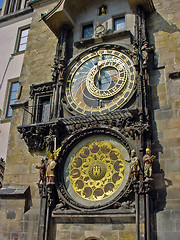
(147, 162)
(145, 52)
(42, 171)
(51, 164)
(134, 165)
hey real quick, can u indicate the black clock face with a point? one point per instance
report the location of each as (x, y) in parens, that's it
(100, 82)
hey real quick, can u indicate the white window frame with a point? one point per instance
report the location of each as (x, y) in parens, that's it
(20, 37)
(7, 98)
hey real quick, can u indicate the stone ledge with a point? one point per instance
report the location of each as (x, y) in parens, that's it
(106, 216)
(14, 191)
(16, 14)
(108, 36)
(17, 192)
(175, 74)
(19, 104)
(169, 214)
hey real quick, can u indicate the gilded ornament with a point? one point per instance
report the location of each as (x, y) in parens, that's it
(51, 164)
(97, 170)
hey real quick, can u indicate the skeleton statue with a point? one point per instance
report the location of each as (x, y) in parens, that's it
(145, 52)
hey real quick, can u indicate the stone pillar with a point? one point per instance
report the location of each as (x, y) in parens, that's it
(136, 189)
(59, 69)
(42, 212)
(147, 190)
(142, 219)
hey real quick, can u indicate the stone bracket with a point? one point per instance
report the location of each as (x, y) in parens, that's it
(17, 192)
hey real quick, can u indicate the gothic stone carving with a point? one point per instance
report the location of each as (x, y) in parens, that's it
(38, 136)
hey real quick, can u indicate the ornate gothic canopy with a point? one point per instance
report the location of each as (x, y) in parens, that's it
(65, 11)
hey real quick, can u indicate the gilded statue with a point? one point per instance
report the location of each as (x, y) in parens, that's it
(51, 164)
(103, 10)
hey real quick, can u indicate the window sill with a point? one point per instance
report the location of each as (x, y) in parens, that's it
(108, 36)
(16, 14)
(18, 53)
(5, 120)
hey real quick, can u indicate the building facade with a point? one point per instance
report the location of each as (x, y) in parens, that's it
(14, 26)
(93, 144)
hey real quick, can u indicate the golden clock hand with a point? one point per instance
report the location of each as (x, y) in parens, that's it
(99, 64)
(99, 78)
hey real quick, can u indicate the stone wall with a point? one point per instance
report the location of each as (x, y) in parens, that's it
(164, 33)
(81, 231)
(16, 222)
(40, 52)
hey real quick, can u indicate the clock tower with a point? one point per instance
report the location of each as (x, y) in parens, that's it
(93, 119)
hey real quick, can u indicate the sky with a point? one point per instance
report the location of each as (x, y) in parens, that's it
(1, 2)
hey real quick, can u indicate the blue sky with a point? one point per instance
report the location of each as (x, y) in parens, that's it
(1, 2)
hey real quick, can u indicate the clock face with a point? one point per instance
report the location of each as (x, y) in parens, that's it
(96, 170)
(100, 82)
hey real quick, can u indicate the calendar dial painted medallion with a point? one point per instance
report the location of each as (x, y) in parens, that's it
(96, 170)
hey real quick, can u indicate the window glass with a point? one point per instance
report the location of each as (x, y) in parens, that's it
(11, 6)
(1, 3)
(44, 109)
(119, 23)
(88, 31)
(25, 32)
(22, 47)
(23, 39)
(12, 97)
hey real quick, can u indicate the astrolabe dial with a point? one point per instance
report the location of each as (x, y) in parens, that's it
(100, 82)
(107, 79)
(96, 171)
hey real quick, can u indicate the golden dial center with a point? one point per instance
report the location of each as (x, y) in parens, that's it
(100, 77)
(97, 170)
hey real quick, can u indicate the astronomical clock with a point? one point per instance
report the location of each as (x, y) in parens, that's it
(94, 169)
(100, 81)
